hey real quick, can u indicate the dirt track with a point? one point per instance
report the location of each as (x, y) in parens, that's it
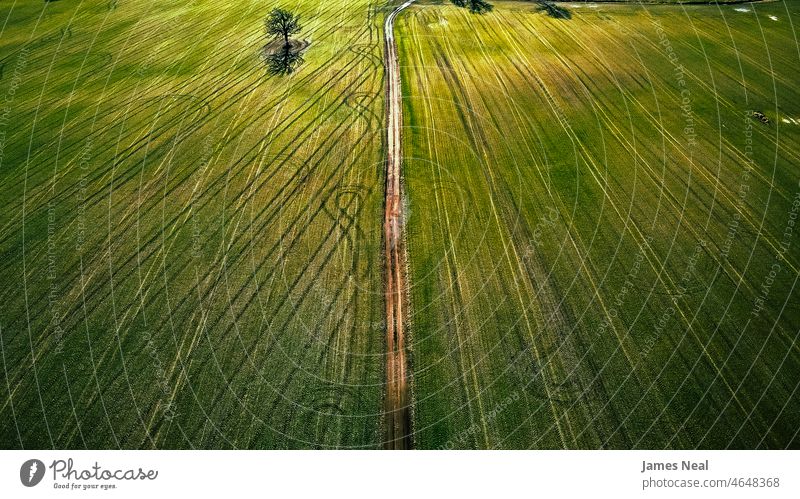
(397, 410)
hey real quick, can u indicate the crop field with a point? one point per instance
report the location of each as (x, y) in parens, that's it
(601, 237)
(592, 236)
(190, 247)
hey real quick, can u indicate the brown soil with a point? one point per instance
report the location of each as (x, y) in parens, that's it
(397, 401)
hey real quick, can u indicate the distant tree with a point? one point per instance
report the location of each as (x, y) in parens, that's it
(474, 6)
(283, 23)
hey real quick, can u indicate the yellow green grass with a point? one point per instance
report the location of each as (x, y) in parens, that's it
(191, 248)
(593, 225)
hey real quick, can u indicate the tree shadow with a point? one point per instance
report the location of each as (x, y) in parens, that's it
(553, 10)
(475, 6)
(284, 61)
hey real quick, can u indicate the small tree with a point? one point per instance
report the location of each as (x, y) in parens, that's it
(283, 23)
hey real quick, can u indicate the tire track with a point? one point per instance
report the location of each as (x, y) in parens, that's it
(397, 401)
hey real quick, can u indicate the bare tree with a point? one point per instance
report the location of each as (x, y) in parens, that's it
(283, 23)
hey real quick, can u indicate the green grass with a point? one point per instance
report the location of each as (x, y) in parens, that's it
(191, 249)
(583, 275)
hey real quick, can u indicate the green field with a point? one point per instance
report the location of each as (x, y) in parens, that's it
(601, 239)
(584, 273)
(191, 248)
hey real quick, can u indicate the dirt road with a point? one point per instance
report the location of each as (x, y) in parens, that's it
(397, 410)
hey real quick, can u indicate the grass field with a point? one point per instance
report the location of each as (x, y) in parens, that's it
(601, 238)
(190, 248)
